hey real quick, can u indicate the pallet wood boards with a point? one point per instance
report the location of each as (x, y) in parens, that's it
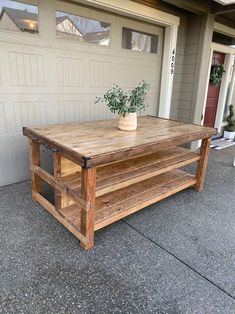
(102, 174)
(117, 175)
(95, 143)
(119, 204)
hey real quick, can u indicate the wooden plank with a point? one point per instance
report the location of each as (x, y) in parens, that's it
(202, 164)
(88, 187)
(68, 167)
(65, 151)
(51, 209)
(136, 191)
(34, 160)
(60, 186)
(127, 165)
(100, 142)
(116, 205)
(118, 182)
(57, 174)
(122, 174)
(150, 148)
(170, 190)
(72, 213)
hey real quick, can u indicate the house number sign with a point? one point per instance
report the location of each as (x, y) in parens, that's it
(172, 61)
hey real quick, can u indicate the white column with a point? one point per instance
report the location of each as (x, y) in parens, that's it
(232, 83)
(223, 92)
(168, 64)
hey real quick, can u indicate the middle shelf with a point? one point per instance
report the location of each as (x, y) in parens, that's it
(118, 175)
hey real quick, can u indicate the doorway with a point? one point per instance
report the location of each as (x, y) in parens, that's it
(213, 94)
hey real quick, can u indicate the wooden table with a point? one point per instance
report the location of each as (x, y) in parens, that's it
(102, 174)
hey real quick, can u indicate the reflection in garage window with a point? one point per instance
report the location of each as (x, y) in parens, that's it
(18, 17)
(139, 41)
(83, 29)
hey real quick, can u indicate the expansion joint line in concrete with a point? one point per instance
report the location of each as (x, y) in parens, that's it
(180, 260)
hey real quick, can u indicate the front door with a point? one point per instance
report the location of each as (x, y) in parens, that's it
(213, 94)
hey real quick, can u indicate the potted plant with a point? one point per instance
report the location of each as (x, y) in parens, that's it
(229, 129)
(126, 104)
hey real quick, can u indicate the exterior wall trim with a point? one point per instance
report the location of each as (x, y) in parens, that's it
(169, 21)
(223, 29)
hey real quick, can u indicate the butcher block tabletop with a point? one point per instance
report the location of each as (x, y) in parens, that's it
(97, 142)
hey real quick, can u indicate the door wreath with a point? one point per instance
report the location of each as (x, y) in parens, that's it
(216, 73)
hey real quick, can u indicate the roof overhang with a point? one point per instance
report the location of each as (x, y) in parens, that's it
(224, 11)
(225, 2)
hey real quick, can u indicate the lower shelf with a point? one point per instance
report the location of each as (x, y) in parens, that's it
(121, 203)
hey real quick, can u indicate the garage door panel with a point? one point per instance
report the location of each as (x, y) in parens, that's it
(2, 118)
(14, 165)
(134, 73)
(69, 72)
(70, 110)
(26, 69)
(101, 73)
(29, 113)
(16, 114)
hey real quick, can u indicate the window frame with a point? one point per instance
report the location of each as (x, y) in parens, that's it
(73, 9)
(140, 32)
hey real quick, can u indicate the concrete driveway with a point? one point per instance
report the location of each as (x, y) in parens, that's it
(177, 256)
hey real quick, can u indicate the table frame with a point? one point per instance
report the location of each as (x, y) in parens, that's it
(85, 197)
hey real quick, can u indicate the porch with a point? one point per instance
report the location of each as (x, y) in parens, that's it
(173, 257)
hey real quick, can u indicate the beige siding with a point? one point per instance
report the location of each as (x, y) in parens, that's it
(188, 82)
(186, 68)
(178, 67)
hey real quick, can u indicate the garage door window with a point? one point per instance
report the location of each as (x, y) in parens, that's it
(138, 41)
(84, 30)
(18, 17)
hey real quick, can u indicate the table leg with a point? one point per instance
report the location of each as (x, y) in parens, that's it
(88, 186)
(202, 164)
(34, 159)
(57, 174)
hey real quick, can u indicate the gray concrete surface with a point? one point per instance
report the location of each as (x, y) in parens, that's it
(176, 256)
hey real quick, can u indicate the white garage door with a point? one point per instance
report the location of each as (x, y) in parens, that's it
(52, 69)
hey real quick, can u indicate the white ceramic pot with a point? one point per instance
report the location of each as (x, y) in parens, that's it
(129, 122)
(229, 135)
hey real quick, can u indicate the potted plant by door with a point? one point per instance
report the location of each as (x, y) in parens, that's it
(126, 104)
(229, 129)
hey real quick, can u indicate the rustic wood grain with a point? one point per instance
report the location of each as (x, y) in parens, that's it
(88, 217)
(117, 175)
(57, 174)
(51, 209)
(59, 185)
(100, 142)
(34, 160)
(102, 174)
(116, 205)
(202, 164)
